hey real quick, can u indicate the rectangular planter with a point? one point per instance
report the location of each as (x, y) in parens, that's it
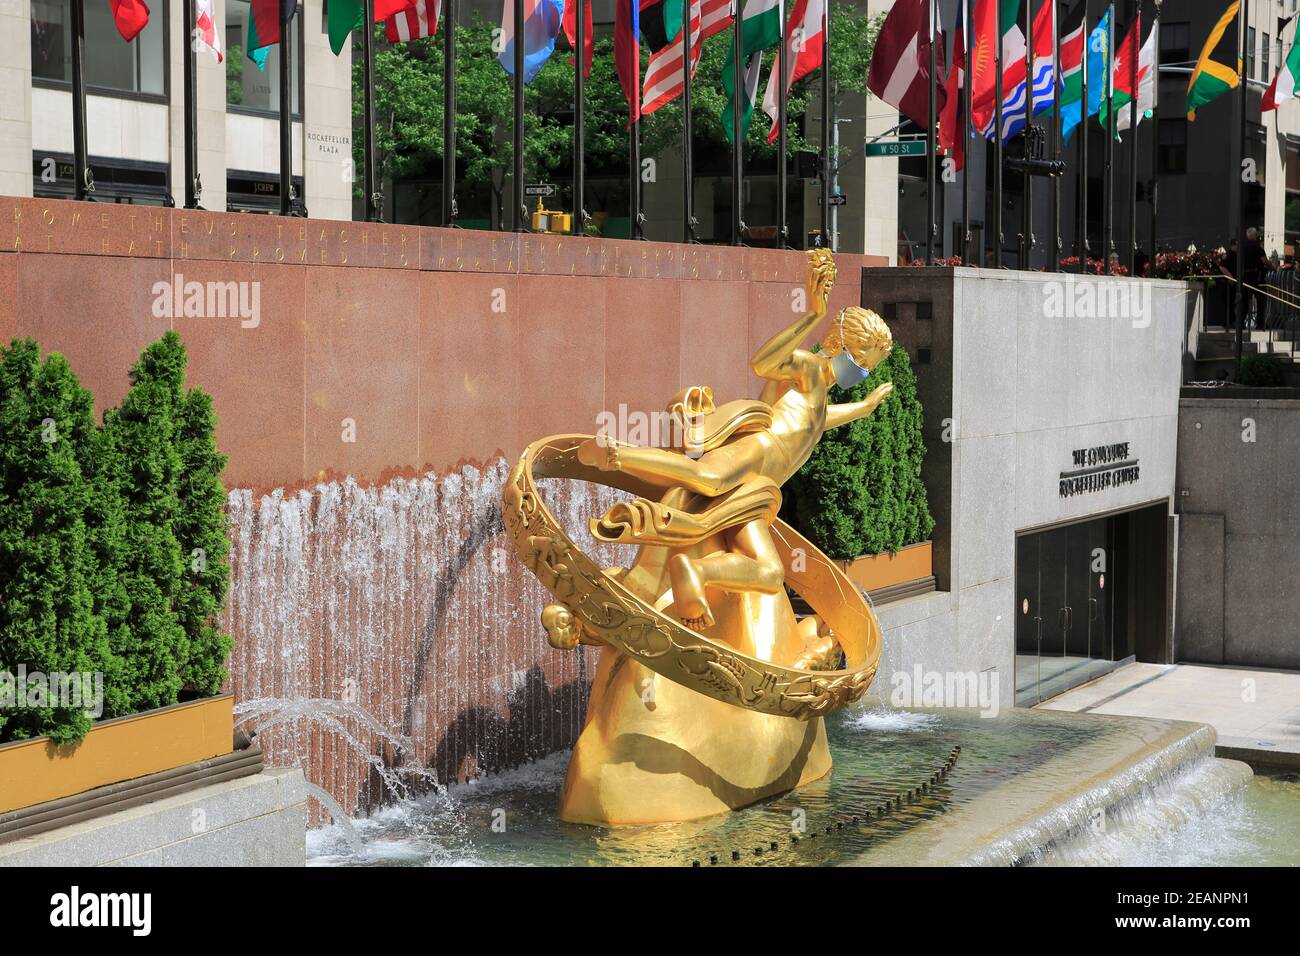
(875, 572)
(34, 771)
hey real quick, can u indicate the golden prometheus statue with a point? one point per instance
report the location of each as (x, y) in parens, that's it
(709, 694)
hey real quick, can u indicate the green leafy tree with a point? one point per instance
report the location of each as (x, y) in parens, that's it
(860, 492)
(142, 448)
(47, 617)
(201, 531)
(409, 113)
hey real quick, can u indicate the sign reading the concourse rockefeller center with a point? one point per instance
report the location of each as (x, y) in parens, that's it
(1099, 468)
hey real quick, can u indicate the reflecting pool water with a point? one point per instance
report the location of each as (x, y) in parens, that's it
(509, 819)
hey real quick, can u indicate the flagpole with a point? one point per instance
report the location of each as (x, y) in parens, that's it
(520, 215)
(965, 131)
(827, 121)
(576, 224)
(286, 113)
(1081, 212)
(930, 185)
(1054, 254)
(1154, 195)
(1136, 8)
(783, 68)
(193, 188)
(83, 180)
(449, 114)
(737, 147)
(688, 131)
(1108, 155)
(1243, 17)
(374, 198)
(1027, 183)
(997, 141)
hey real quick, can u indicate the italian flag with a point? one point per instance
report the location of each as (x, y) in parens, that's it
(1212, 78)
(804, 41)
(760, 28)
(1284, 85)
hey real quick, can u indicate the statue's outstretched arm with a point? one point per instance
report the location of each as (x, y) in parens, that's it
(851, 411)
(777, 359)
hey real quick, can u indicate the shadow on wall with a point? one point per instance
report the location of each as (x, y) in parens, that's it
(479, 741)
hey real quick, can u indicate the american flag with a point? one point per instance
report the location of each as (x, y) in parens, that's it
(663, 77)
(414, 22)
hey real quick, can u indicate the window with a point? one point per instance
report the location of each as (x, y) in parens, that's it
(247, 86)
(1250, 52)
(1173, 145)
(111, 63)
(1175, 43)
(1264, 54)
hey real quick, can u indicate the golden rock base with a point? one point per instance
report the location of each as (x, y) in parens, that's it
(654, 751)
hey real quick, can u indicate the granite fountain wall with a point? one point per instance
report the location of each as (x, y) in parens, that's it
(371, 404)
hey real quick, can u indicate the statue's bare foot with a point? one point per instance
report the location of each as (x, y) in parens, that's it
(688, 593)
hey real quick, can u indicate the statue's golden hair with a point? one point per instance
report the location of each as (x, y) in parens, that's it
(863, 333)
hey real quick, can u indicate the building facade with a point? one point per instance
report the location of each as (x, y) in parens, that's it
(135, 116)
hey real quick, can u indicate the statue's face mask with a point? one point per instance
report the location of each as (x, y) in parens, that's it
(847, 372)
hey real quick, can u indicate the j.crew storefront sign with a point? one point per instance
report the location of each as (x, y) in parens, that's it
(1098, 469)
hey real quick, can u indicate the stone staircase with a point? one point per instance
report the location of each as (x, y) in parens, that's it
(1216, 352)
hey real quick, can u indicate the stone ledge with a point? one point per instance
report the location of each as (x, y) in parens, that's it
(252, 821)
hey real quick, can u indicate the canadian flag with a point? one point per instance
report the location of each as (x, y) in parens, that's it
(205, 28)
(805, 41)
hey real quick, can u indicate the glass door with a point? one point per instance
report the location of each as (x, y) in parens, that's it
(1063, 613)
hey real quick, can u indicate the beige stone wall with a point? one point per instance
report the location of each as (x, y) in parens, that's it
(15, 98)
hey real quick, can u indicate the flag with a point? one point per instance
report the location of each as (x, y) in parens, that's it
(715, 16)
(983, 58)
(1098, 55)
(344, 16)
(253, 47)
(1211, 78)
(205, 27)
(1015, 67)
(760, 28)
(410, 22)
(541, 27)
(663, 74)
(571, 32)
(266, 16)
(1121, 77)
(1284, 85)
(804, 43)
(627, 54)
(1072, 31)
(130, 16)
(900, 65)
(1146, 92)
(949, 137)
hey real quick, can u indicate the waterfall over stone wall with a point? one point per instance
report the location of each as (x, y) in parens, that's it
(387, 639)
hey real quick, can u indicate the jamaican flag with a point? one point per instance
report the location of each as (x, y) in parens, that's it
(1211, 78)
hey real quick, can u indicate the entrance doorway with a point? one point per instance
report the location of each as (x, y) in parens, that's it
(1090, 595)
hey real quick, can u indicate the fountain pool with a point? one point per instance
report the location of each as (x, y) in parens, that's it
(1036, 787)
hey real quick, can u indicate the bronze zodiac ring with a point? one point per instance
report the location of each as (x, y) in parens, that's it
(604, 611)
